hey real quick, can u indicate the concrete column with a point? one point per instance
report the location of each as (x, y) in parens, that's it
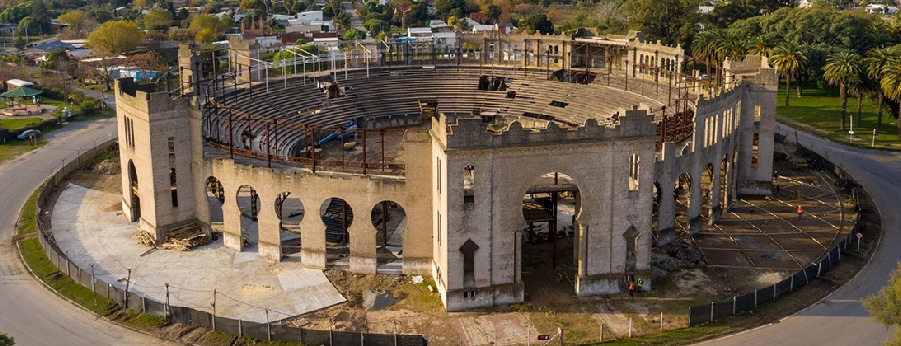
(231, 221)
(312, 236)
(362, 244)
(694, 206)
(269, 244)
(666, 213)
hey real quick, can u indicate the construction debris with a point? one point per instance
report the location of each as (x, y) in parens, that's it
(182, 238)
(145, 238)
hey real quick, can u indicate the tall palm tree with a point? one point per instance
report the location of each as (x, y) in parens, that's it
(842, 69)
(761, 46)
(875, 63)
(701, 49)
(891, 84)
(789, 59)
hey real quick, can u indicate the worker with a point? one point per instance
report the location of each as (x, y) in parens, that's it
(638, 286)
(631, 289)
(800, 211)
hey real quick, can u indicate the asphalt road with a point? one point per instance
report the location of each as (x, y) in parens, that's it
(29, 312)
(840, 318)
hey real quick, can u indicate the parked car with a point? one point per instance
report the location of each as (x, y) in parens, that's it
(29, 134)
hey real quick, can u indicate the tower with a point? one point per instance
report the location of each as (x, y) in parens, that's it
(155, 147)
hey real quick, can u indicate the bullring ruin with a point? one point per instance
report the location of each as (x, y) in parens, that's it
(446, 159)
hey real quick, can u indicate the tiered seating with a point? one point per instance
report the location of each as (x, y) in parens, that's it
(398, 92)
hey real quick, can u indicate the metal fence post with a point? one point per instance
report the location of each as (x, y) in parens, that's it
(733, 305)
(711, 312)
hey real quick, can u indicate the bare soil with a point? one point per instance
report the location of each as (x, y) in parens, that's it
(393, 304)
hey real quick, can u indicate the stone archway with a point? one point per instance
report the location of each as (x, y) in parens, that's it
(248, 202)
(389, 220)
(290, 212)
(337, 216)
(682, 196)
(215, 194)
(550, 210)
(133, 192)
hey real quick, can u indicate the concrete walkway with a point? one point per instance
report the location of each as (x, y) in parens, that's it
(88, 225)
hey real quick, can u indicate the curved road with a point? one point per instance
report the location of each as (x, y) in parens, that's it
(29, 312)
(840, 318)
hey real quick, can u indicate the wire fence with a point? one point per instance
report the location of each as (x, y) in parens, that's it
(271, 330)
(717, 310)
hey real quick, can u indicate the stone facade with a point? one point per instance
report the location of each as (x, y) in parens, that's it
(467, 235)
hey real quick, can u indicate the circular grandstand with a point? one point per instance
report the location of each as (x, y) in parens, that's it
(456, 163)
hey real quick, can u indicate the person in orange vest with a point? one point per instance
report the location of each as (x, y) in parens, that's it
(631, 289)
(800, 211)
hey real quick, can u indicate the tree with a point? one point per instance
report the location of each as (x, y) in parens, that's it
(537, 22)
(342, 20)
(157, 19)
(891, 84)
(789, 60)
(353, 34)
(671, 21)
(207, 27)
(6, 340)
(78, 22)
(147, 62)
(116, 37)
(885, 305)
(876, 61)
(843, 69)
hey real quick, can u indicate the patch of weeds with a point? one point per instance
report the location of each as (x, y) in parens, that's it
(575, 334)
(143, 320)
(27, 215)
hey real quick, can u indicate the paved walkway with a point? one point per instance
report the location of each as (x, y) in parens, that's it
(88, 225)
(840, 318)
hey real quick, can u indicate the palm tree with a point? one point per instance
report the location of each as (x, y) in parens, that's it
(876, 61)
(891, 84)
(789, 60)
(701, 49)
(842, 69)
(761, 46)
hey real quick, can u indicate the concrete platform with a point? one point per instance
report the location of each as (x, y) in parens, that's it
(89, 227)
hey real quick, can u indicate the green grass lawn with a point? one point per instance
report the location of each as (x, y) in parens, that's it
(19, 123)
(14, 148)
(819, 111)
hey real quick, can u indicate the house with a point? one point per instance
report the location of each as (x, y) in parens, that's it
(440, 26)
(483, 28)
(15, 83)
(421, 33)
(308, 17)
(7, 29)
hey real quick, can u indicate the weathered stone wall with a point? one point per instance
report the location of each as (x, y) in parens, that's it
(505, 165)
(156, 137)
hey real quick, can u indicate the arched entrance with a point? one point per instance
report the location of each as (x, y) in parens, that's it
(389, 219)
(707, 191)
(550, 209)
(215, 195)
(337, 216)
(249, 205)
(682, 195)
(290, 212)
(133, 192)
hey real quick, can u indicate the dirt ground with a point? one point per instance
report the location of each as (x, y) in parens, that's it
(393, 304)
